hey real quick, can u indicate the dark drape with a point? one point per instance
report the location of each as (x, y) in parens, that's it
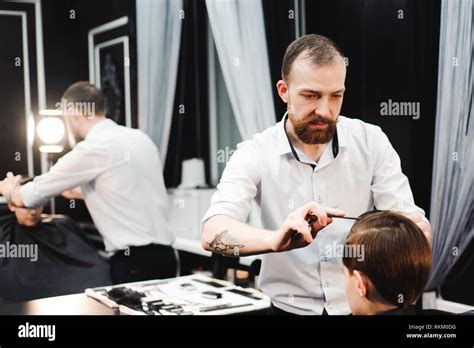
(65, 262)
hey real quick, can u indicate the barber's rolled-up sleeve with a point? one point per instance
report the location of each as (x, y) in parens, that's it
(238, 185)
(82, 164)
(390, 187)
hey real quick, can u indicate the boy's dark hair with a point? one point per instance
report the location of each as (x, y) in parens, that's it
(320, 50)
(85, 92)
(396, 259)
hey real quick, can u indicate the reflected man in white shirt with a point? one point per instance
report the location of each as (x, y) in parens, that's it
(314, 161)
(119, 172)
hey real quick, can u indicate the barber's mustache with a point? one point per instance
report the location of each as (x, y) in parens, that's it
(317, 119)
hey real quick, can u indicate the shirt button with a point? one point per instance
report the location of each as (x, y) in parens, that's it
(330, 304)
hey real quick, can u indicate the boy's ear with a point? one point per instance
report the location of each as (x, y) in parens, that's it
(360, 283)
(11, 207)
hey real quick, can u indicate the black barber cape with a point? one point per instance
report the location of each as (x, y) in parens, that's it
(64, 263)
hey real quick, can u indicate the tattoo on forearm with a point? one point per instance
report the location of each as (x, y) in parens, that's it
(227, 248)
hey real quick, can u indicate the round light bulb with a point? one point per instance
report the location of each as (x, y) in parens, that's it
(50, 130)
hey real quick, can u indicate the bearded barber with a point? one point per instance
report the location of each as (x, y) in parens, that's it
(120, 175)
(314, 161)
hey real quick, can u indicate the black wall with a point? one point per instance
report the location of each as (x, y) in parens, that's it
(13, 88)
(280, 32)
(13, 123)
(189, 135)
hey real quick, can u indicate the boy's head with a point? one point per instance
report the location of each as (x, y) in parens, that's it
(395, 265)
(26, 216)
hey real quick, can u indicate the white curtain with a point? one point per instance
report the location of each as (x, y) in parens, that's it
(158, 42)
(453, 170)
(239, 35)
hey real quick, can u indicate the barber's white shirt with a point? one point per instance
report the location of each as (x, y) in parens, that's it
(120, 174)
(366, 173)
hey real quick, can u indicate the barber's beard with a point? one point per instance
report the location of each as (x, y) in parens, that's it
(309, 135)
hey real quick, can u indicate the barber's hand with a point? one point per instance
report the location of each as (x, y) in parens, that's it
(296, 231)
(421, 223)
(75, 193)
(8, 184)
